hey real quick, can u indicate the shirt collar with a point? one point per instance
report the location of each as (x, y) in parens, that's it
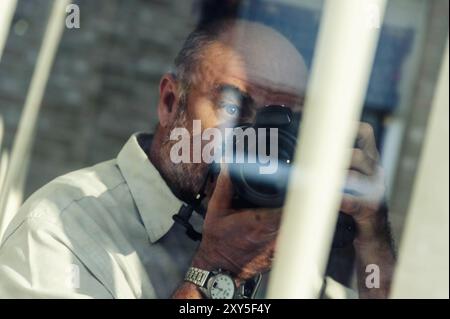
(154, 200)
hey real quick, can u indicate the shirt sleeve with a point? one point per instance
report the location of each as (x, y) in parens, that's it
(36, 263)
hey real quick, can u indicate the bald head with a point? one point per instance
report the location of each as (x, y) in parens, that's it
(263, 56)
(269, 58)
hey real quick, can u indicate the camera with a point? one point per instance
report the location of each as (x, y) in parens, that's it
(269, 142)
(253, 188)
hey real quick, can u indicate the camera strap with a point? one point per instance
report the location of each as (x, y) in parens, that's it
(185, 212)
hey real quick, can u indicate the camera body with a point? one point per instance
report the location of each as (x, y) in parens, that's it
(273, 125)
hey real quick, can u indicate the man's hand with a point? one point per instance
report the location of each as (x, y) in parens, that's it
(365, 187)
(365, 182)
(239, 241)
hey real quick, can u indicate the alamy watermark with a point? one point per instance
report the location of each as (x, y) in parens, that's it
(230, 145)
(73, 16)
(369, 12)
(373, 277)
(73, 276)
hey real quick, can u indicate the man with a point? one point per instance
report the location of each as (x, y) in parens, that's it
(107, 231)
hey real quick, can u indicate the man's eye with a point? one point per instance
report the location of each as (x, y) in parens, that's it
(231, 109)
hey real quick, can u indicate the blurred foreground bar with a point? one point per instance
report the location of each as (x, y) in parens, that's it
(23, 142)
(341, 68)
(422, 270)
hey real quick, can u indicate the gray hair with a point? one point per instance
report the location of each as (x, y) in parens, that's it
(189, 57)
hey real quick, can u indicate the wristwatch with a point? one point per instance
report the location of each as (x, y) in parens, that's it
(216, 284)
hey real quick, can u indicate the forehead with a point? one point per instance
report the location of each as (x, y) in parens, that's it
(256, 59)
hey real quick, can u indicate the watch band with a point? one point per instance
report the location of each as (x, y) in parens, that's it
(200, 278)
(197, 276)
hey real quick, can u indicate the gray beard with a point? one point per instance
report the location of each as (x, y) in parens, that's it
(184, 179)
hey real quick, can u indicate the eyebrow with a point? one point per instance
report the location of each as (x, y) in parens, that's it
(248, 100)
(229, 87)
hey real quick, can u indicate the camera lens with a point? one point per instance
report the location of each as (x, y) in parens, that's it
(264, 190)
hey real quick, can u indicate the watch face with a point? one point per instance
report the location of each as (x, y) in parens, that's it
(222, 287)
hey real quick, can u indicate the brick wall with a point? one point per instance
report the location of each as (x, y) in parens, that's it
(104, 82)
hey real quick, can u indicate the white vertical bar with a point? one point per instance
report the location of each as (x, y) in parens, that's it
(2, 130)
(3, 155)
(340, 74)
(3, 167)
(25, 133)
(422, 270)
(7, 8)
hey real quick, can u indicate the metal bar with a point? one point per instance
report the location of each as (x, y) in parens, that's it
(422, 270)
(3, 155)
(25, 133)
(344, 56)
(7, 8)
(3, 167)
(2, 130)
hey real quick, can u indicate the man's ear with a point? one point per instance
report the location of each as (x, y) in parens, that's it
(168, 100)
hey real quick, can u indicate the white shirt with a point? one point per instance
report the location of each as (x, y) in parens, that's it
(102, 232)
(99, 232)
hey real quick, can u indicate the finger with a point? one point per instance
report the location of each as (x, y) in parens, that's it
(362, 163)
(270, 252)
(257, 221)
(350, 204)
(358, 184)
(265, 258)
(259, 238)
(223, 192)
(367, 188)
(262, 262)
(266, 220)
(366, 140)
